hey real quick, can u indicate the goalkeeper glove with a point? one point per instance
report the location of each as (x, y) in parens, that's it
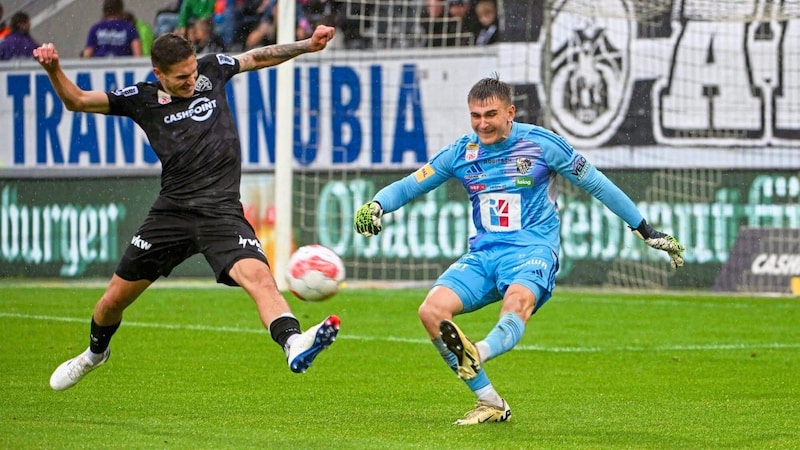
(660, 241)
(367, 221)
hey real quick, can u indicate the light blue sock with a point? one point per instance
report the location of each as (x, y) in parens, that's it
(475, 384)
(503, 337)
(446, 354)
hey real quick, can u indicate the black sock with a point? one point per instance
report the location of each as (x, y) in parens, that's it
(99, 336)
(283, 327)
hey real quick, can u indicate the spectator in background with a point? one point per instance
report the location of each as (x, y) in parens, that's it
(166, 20)
(4, 30)
(249, 14)
(486, 10)
(462, 26)
(434, 21)
(202, 37)
(225, 18)
(266, 31)
(18, 43)
(318, 12)
(349, 17)
(113, 35)
(146, 34)
(191, 11)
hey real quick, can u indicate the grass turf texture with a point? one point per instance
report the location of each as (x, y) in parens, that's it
(193, 368)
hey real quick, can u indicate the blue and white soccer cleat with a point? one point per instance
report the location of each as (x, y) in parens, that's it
(307, 346)
(71, 371)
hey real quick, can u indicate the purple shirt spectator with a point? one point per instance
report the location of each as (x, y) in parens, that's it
(19, 43)
(112, 37)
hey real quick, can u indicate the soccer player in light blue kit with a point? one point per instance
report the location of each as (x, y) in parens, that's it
(509, 171)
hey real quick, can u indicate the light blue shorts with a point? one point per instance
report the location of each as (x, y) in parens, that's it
(482, 277)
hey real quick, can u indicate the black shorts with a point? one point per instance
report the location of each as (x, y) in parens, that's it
(169, 237)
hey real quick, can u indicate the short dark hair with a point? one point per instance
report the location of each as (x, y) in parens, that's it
(169, 49)
(112, 7)
(18, 21)
(489, 88)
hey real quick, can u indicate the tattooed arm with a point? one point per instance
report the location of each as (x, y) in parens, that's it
(272, 55)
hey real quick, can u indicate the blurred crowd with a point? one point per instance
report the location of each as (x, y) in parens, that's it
(236, 25)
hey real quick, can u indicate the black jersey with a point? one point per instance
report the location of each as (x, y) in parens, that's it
(195, 138)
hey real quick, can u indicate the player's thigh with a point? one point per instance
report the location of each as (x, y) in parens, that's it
(225, 241)
(472, 279)
(161, 243)
(534, 267)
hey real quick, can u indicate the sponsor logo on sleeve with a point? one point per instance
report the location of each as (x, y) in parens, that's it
(126, 92)
(424, 172)
(225, 59)
(580, 166)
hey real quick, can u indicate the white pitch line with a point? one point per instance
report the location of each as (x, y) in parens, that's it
(530, 348)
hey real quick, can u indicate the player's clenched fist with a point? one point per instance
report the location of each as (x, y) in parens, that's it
(46, 55)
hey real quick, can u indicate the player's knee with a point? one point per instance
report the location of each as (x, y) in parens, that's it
(425, 312)
(431, 314)
(115, 305)
(519, 301)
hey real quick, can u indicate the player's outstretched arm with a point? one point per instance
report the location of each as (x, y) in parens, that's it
(272, 55)
(660, 241)
(74, 98)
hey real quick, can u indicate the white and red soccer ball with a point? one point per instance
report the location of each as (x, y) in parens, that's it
(314, 273)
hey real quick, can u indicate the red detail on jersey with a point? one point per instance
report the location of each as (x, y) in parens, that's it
(502, 213)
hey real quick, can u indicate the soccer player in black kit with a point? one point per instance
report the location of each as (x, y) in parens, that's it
(186, 117)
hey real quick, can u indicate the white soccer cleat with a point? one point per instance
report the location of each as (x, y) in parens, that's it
(307, 346)
(70, 372)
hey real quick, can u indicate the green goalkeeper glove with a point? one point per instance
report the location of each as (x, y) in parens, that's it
(367, 221)
(660, 241)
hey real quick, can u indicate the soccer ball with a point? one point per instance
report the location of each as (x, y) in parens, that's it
(314, 273)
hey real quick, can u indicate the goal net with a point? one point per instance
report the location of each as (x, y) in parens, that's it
(691, 107)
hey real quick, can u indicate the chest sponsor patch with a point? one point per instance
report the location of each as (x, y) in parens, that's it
(199, 110)
(522, 182)
(501, 212)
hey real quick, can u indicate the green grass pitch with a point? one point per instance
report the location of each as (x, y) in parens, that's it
(193, 368)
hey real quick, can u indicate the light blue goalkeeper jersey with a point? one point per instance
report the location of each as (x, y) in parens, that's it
(512, 185)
